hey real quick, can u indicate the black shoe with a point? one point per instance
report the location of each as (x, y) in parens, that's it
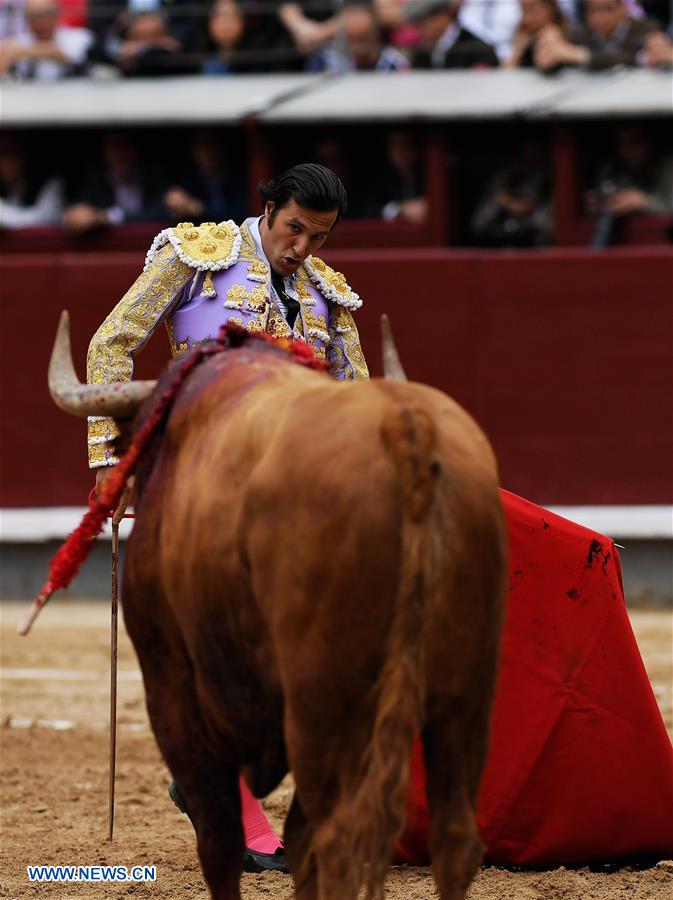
(265, 862)
(176, 797)
(252, 861)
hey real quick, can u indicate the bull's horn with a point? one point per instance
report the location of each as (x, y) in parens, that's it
(119, 400)
(392, 367)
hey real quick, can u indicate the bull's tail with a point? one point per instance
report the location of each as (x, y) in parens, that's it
(409, 437)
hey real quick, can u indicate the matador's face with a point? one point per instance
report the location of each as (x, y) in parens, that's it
(292, 233)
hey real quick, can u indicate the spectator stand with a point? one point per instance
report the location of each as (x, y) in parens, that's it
(533, 342)
(622, 95)
(441, 107)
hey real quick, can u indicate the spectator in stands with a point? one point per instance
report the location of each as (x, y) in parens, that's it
(268, 45)
(516, 208)
(359, 45)
(47, 51)
(610, 37)
(210, 192)
(119, 190)
(493, 21)
(310, 24)
(226, 30)
(148, 48)
(13, 23)
(114, 23)
(398, 190)
(389, 13)
(657, 52)
(496, 21)
(445, 44)
(26, 200)
(536, 15)
(635, 180)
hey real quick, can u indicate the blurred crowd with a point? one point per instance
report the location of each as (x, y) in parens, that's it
(501, 199)
(48, 39)
(632, 176)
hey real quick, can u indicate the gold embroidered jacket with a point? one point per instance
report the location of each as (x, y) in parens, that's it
(187, 257)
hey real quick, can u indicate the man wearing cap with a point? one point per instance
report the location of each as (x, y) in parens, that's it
(445, 44)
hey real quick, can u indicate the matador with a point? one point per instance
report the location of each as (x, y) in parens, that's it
(263, 276)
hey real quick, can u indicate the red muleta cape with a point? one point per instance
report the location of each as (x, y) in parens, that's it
(580, 768)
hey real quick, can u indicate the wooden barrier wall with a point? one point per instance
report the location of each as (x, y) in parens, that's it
(565, 357)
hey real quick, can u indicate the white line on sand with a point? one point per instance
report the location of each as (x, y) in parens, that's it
(65, 675)
(66, 724)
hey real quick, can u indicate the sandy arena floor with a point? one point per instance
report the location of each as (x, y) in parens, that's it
(54, 709)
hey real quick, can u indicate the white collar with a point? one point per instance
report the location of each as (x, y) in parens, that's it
(253, 227)
(446, 41)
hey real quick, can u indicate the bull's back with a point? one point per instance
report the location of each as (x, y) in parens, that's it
(327, 499)
(301, 446)
(297, 482)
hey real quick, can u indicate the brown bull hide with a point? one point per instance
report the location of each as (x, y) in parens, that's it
(315, 576)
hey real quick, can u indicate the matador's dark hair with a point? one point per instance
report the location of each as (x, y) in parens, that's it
(309, 185)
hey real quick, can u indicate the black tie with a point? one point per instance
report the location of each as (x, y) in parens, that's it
(291, 304)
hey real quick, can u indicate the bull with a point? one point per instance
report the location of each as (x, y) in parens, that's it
(315, 577)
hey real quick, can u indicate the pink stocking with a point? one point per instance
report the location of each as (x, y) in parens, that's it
(259, 836)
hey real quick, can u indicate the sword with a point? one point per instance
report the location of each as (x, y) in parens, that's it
(114, 628)
(114, 631)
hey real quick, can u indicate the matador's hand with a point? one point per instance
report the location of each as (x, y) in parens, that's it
(124, 500)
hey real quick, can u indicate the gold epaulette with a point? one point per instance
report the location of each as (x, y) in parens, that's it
(331, 284)
(209, 247)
